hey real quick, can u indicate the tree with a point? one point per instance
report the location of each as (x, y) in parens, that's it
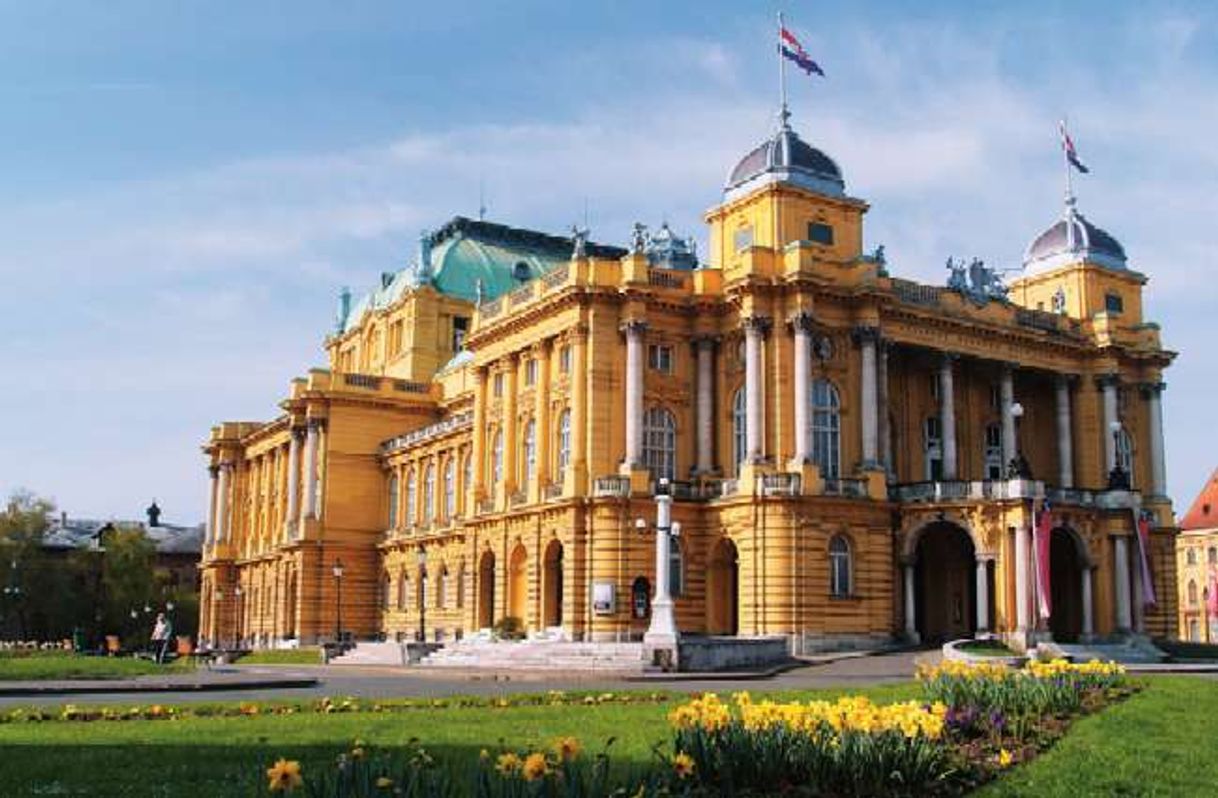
(23, 526)
(128, 581)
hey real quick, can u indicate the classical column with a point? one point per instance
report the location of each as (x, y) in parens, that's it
(1006, 399)
(802, 324)
(947, 416)
(1022, 572)
(705, 347)
(213, 473)
(1154, 412)
(222, 503)
(479, 443)
(1065, 434)
(1108, 388)
(983, 596)
(1088, 612)
(911, 621)
(579, 410)
(755, 330)
(634, 330)
(882, 402)
(311, 446)
(1120, 566)
(510, 428)
(293, 484)
(866, 337)
(542, 433)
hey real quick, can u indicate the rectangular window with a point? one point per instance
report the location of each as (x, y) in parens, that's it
(497, 385)
(744, 238)
(1113, 303)
(659, 358)
(460, 329)
(530, 372)
(820, 233)
(564, 360)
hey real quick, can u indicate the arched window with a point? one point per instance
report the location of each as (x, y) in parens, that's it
(429, 494)
(529, 461)
(564, 443)
(442, 587)
(497, 458)
(660, 443)
(412, 492)
(393, 500)
(1190, 556)
(839, 566)
(676, 567)
(993, 452)
(403, 591)
(932, 448)
(826, 429)
(1124, 453)
(450, 489)
(1192, 592)
(1212, 556)
(740, 421)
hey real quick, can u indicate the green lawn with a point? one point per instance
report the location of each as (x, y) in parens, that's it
(1156, 742)
(986, 648)
(1160, 742)
(287, 656)
(51, 665)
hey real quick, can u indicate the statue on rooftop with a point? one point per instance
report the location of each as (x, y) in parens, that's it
(638, 238)
(579, 240)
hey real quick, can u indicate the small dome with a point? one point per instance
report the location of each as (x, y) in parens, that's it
(788, 158)
(1071, 240)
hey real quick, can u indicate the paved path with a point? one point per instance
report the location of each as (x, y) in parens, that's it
(375, 682)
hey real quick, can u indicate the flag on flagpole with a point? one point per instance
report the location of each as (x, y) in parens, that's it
(1071, 152)
(1148, 585)
(1042, 532)
(792, 50)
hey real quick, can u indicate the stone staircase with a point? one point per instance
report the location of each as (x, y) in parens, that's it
(545, 655)
(1134, 651)
(373, 653)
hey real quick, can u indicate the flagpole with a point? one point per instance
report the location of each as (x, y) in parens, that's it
(783, 113)
(1065, 132)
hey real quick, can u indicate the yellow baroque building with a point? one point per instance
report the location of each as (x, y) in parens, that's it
(1197, 566)
(853, 457)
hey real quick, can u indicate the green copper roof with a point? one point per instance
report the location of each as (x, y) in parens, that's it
(464, 254)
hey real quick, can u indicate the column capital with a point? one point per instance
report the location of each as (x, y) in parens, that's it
(865, 333)
(946, 358)
(634, 326)
(1106, 380)
(802, 321)
(542, 346)
(316, 424)
(760, 325)
(705, 340)
(213, 471)
(1152, 389)
(1065, 378)
(297, 433)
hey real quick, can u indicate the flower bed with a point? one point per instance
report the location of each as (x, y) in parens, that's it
(975, 720)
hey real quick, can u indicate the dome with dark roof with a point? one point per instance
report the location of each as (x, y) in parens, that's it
(788, 158)
(1071, 240)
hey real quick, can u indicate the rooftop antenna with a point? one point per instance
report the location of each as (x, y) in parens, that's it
(481, 198)
(783, 113)
(586, 227)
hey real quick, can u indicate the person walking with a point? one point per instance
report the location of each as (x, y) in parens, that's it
(160, 636)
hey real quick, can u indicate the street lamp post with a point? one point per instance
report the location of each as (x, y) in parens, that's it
(237, 615)
(660, 640)
(338, 601)
(422, 560)
(1018, 468)
(1118, 477)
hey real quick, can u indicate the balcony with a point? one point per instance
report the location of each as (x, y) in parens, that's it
(843, 486)
(552, 491)
(781, 484)
(612, 486)
(1002, 489)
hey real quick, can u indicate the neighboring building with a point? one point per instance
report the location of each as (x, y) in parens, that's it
(496, 417)
(1197, 561)
(178, 548)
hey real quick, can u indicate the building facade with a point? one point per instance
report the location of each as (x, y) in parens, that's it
(853, 456)
(1197, 564)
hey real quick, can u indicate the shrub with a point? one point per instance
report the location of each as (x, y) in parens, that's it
(509, 627)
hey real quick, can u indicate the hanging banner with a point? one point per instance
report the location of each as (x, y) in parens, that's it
(1142, 525)
(1041, 537)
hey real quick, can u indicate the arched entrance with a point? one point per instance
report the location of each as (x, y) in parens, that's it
(551, 609)
(945, 583)
(722, 589)
(1066, 563)
(486, 590)
(518, 583)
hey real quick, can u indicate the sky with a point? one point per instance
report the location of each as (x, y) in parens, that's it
(186, 186)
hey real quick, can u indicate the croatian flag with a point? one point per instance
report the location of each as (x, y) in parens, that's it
(1071, 153)
(1041, 538)
(1148, 584)
(792, 50)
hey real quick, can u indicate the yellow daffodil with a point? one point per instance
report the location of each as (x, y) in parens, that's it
(384, 783)
(284, 776)
(1005, 758)
(534, 767)
(683, 765)
(507, 764)
(567, 748)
